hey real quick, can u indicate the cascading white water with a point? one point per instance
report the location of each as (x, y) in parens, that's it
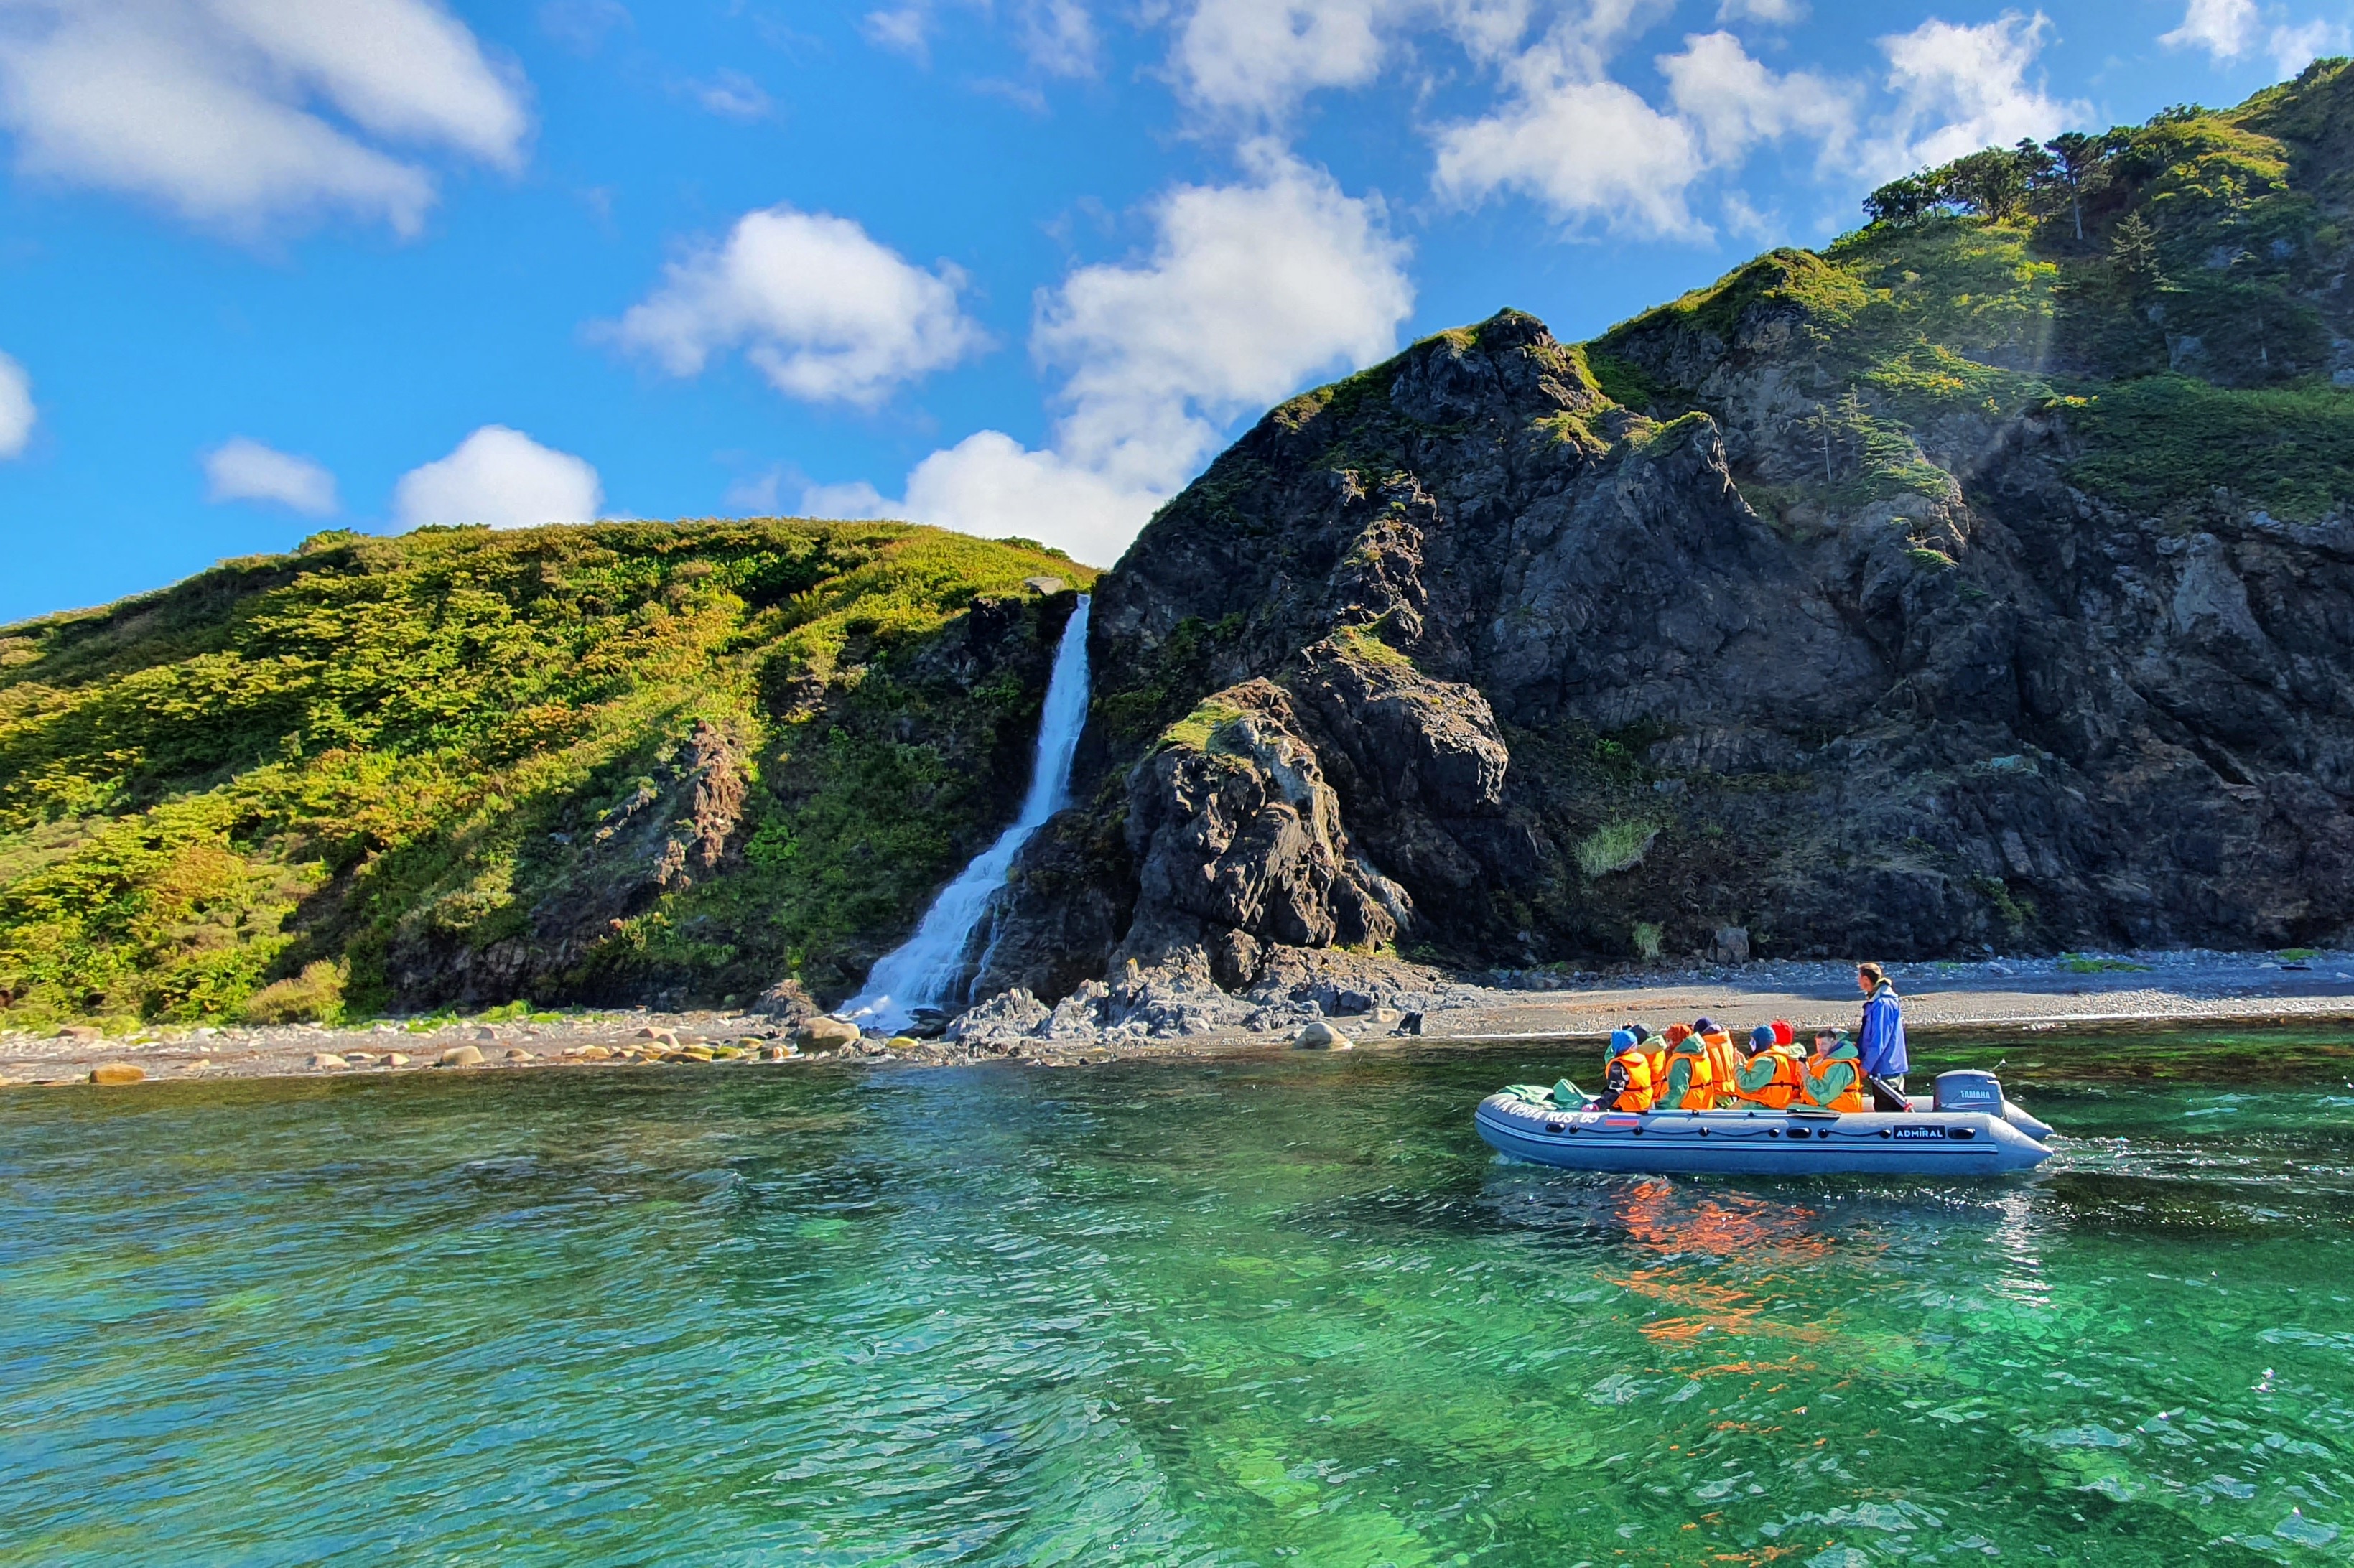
(928, 969)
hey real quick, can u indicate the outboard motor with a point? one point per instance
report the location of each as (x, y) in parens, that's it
(1969, 1090)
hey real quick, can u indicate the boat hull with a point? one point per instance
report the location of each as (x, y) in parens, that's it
(1758, 1142)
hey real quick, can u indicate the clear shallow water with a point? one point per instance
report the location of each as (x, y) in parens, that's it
(1279, 1311)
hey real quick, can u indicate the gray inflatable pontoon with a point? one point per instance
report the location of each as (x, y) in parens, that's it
(1924, 1140)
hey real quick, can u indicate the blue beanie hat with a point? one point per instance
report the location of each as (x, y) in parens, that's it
(1621, 1040)
(1703, 1025)
(1762, 1036)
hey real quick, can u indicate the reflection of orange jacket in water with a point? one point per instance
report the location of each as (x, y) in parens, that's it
(1631, 1082)
(1692, 1076)
(1771, 1078)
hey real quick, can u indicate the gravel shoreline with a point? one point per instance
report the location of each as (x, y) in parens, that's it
(2115, 990)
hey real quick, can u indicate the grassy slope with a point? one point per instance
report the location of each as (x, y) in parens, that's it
(296, 760)
(2214, 372)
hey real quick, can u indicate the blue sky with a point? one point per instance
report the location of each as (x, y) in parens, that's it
(1014, 266)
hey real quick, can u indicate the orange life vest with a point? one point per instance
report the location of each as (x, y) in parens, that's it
(1700, 1087)
(1776, 1092)
(1724, 1060)
(1818, 1091)
(1635, 1094)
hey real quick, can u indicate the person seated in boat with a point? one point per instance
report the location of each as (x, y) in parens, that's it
(1628, 1079)
(1690, 1083)
(1769, 1078)
(1724, 1055)
(1833, 1078)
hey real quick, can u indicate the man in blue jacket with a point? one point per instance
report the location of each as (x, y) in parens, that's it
(1881, 1041)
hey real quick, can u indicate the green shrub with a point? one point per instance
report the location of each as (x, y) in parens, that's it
(1614, 847)
(2078, 964)
(314, 996)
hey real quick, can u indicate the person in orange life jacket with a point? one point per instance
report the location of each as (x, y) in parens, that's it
(1770, 1078)
(1723, 1054)
(1692, 1078)
(1880, 1044)
(1833, 1078)
(1659, 1046)
(1628, 1082)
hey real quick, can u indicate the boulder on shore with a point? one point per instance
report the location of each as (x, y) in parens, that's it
(824, 1033)
(462, 1057)
(117, 1073)
(1318, 1035)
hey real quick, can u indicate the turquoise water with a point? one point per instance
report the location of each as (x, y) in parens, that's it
(1265, 1311)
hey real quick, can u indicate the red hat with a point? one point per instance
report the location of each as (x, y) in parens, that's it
(1783, 1033)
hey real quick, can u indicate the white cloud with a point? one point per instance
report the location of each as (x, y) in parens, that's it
(989, 484)
(580, 25)
(1737, 104)
(2224, 29)
(17, 414)
(1588, 148)
(2293, 48)
(1254, 60)
(1058, 36)
(757, 495)
(732, 95)
(855, 499)
(1259, 58)
(1250, 290)
(1777, 13)
(825, 313)
(501, 477)
(906, 29)
(243, 470)
(1962, 88)
(2229, 30)
(219, 108)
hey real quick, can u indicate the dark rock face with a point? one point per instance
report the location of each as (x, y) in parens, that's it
(1461, 655)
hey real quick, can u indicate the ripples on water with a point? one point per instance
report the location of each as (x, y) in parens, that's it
(1256, 1312)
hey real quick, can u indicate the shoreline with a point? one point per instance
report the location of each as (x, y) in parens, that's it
(2155, 990)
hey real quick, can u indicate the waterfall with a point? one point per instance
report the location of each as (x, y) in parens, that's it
(928, 969)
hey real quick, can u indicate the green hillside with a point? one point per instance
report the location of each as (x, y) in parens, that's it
(630, 760)
(2172, 292)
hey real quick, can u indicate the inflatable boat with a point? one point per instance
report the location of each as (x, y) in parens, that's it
(1966, 1129)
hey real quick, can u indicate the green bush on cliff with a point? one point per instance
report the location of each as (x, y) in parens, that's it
(377, 753)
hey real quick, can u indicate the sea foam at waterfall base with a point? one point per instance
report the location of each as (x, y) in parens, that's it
(930, 969)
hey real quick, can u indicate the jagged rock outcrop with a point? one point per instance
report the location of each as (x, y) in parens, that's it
(1463, 656)
(1983, 581)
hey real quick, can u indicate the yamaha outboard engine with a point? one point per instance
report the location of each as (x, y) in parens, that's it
(1969, 1091)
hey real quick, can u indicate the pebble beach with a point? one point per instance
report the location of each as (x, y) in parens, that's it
(2086, 991)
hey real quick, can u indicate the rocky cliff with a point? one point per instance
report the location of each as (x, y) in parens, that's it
(1937, 594)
